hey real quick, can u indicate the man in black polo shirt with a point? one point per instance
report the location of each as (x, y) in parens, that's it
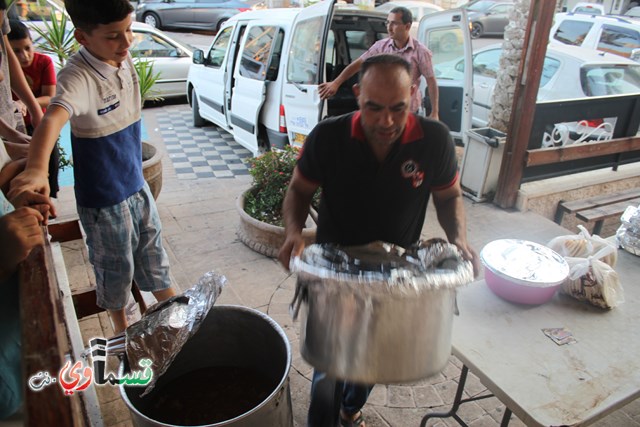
(377, 168)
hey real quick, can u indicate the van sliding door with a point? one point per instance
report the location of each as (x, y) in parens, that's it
(211, 78)
(251, 78)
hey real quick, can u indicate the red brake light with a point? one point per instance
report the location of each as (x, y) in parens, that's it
(282, 122)
(243, 9)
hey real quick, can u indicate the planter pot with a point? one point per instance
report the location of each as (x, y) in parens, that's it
(262, 237)
(152, 167)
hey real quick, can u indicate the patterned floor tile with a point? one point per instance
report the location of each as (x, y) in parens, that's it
(207, 152)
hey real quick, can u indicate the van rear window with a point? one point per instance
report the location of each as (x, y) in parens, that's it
(617, 40)
(305, 51)
(572, 32)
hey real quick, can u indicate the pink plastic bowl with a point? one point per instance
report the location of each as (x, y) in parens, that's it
(514, 291)
(522, 271)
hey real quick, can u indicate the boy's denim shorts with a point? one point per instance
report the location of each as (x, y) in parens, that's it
(125, 243)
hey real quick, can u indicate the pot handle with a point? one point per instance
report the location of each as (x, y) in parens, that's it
(300, 296)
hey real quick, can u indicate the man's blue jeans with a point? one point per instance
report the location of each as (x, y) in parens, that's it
(328, 395)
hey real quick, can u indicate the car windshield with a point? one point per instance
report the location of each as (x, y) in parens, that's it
(480, 6)
(588, 10)
(608, 79)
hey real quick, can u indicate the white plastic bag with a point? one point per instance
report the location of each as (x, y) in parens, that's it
(593, 280)
(583, 245)
(628, 235)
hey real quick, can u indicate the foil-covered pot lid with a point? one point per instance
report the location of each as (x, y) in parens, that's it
(428, 265)
(525, 261)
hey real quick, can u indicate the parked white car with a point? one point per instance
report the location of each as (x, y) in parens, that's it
(589, 8)
(170, 58)
(613, 34)
(569, 72)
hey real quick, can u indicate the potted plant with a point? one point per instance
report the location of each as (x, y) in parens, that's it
(260, 207)
(57, 39)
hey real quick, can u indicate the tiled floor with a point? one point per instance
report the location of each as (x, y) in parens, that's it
(206, 152)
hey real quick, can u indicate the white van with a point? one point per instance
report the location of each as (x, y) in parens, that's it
(259, 79)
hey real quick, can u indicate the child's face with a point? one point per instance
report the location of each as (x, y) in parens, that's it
(108, 42)
(23, 49)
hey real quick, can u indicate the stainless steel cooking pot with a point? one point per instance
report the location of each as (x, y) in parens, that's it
(378, 314)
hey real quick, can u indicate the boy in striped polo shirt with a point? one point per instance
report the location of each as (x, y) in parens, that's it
(98, 92)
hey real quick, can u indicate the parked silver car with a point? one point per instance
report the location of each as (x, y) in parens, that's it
(488, 17)
(193, 14)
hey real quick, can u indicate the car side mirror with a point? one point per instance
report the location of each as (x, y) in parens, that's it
(635, 55)
(198, 56)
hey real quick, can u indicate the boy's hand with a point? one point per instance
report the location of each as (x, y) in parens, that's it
(34, 200)
(21, 107)
(20, 232)
(30, 180)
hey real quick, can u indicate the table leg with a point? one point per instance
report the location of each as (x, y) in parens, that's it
(506, 417)
(458, 400)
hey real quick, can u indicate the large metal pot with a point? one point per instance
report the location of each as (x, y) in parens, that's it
(376, 315)
(230, 340)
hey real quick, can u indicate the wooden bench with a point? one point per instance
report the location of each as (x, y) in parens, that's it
(49, 313)
(51, 335)
(598, 208)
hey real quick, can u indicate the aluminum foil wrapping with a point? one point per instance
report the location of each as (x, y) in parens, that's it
(381, 268)
(164, 329)
(628, 234)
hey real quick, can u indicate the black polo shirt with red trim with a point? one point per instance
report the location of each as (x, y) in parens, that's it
(363, 200)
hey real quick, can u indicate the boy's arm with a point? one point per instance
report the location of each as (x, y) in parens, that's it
(48, 80)
(34, 177)
(20, 86)
(47, 92)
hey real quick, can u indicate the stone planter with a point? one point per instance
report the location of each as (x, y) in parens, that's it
(262, 237)
(152, 167)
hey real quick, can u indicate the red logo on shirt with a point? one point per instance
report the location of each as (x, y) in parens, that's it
(410, 170)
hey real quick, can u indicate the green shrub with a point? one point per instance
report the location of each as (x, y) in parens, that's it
(271, 172)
